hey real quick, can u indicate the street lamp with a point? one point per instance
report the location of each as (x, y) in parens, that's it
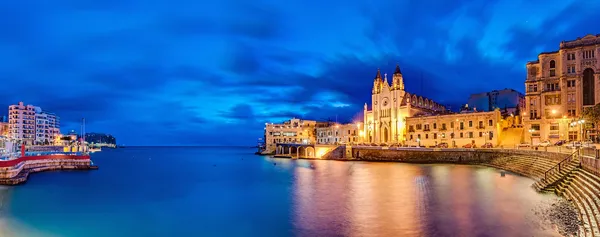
(531, 131)
(580, 123)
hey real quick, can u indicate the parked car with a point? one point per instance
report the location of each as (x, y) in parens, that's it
(470, 145)
(442, 145)
(487, 145)
(560, 143)
(544, 144)
(573, 145)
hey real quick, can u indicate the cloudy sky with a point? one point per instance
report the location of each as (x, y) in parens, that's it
(194, 72)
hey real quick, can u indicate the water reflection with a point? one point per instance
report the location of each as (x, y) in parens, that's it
(389, 199)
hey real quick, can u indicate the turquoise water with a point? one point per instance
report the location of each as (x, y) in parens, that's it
(230, 192)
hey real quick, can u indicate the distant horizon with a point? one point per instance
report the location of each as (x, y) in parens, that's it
(134, 70)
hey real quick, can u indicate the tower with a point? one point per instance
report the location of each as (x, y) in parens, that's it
(377, 82)
(397, 80)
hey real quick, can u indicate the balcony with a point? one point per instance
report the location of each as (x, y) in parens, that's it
(551, 90)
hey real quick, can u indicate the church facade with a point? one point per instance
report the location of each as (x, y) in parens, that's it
(385, 121)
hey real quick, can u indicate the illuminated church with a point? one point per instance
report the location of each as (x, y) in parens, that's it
(390, 105)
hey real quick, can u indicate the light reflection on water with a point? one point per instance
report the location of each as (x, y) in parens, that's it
(229, 192)
(393, 199)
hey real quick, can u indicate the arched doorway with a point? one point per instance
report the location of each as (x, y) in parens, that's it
(588, 87)
(310, 152)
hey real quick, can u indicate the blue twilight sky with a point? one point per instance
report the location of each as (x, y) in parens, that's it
(193, 72)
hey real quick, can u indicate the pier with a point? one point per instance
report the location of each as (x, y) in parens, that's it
(16, 171)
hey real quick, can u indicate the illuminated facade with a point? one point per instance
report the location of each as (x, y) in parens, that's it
(339, 134)
(31, 125)
(21, 119)
(558, 86)
(456, 130)
(296, 131)
(390, 105)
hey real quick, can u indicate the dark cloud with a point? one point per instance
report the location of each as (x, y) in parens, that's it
(192, 72)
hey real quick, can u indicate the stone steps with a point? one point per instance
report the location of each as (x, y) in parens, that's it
(584, 218)
(590, 206)
(550, 182)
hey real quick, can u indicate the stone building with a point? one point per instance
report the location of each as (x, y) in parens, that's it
(295, 131)
(339, 134)
(558, 86)
(390, 105)
(455, 129)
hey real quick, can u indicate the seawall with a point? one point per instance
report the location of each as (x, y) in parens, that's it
(17, 171)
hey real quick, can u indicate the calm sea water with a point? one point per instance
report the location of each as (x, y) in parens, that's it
(230, 192)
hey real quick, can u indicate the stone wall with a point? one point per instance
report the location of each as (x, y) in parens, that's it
(437, 155)
(40, 165)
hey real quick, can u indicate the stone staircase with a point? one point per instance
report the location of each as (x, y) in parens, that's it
(530, 166)
(583, 189)
(553, 176)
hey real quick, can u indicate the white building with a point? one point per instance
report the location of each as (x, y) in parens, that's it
(295, 131)
(21, 120)
(32, 125)
(340, 134)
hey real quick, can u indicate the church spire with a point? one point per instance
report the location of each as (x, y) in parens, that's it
(378, 76)
(397, 80)
(397, 69)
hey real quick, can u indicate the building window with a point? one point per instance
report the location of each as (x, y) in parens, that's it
(462, 125)
(434, 125)
(571, 113)
(490, 122)
(411, 137)
(491, 135)
(571, 83)
(434, 135)
(451, 124)
(470, 124)
(452, 135)
(571, 56)
(426, 136)
(418, 126)
(443, 126)
(480, 124)
(588, 54)
(571, 98)
(571, 69)
(532, 88)
(461, 135)
(554, 126)
(552, 68)
(470, 134)
(480, 134)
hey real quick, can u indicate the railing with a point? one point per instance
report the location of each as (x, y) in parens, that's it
(560, 165)
(590, 152)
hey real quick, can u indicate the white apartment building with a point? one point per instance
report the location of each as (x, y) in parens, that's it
(21, 120)
(32, 125)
